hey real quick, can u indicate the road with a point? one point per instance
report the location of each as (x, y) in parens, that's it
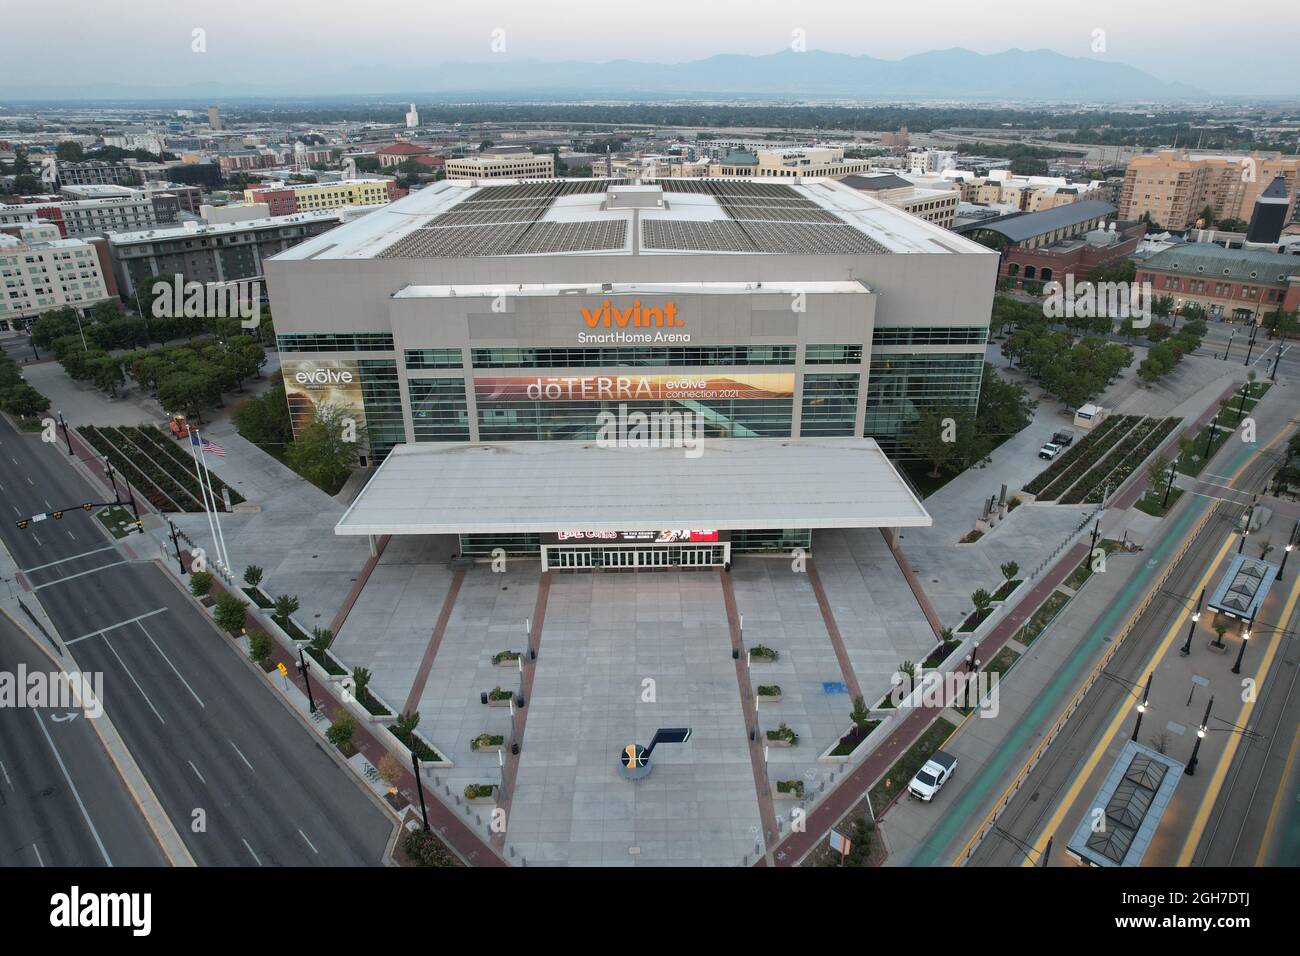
(62, 801)
(1030, 810)
(242, 780)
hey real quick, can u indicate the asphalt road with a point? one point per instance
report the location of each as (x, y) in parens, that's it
(244, 783)
(62, 801)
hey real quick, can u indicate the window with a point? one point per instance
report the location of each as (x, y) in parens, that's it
(335, 342)
(439, 409)
(433, 358)
(830, 405)
(931, 335)
(634, 356)
(833, 354)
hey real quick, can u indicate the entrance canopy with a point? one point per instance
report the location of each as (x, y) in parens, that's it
(538, 487)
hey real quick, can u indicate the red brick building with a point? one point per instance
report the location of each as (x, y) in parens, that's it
(1236, 285)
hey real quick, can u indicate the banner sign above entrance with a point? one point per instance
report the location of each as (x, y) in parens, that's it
(635, 537)
(625, 388)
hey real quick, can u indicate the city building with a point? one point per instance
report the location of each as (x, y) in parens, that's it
(412, 117)
(216, 252)
(1237, 285)
(40, 270)
(214, 118)
(1270, 214)
(1039, 247)
(94, 174)
(938, 206)
(794, 161)
(791, 310)
(285, 199)
(1173, 187)
(514, 164)
(930, 162)
(394, 154)
(79, 218)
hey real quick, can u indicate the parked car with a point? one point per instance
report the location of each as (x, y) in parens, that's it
(1064, 439)
(936, 772)
(1049, 451)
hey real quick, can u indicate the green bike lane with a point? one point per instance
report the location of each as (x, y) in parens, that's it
(995, 772)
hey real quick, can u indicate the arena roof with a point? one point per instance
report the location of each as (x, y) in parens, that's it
(466, 218)
(537, 487)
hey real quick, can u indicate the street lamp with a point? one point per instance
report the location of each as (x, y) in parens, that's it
(1169, 487)
(1209, 435)
(1142, 706)
(1190, 769)
(64, 425)
(1196, 616)
(1241, 651)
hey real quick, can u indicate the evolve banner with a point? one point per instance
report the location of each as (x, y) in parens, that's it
(628, 388)
(310, 384)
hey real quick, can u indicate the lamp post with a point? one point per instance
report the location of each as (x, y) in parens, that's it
(1250, 345)
(1209, 435)
(177, 545)
(419, 788)
(1142, 706)
(1170, 486)
(1196, 616)
(1241, 406)
(1093, 546)
(64, 425)
(1245, 531)
(306, 680)
(1190, 769)
(1241, 651)
(1287, 550)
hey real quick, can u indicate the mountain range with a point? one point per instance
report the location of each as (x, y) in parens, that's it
(951, 75)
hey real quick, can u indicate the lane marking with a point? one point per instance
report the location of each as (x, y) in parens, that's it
(5, 774)
(109, 645)
(75, 792)
(84, 554)
(252, 854)
(241, 755)
(115, 626)
(1234, 739)
(29, 481)
(79, 574)
(140, 624)
(39, 859)
(196, 772)
(309, 843)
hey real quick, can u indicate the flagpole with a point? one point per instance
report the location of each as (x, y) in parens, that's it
(216, 512)
(191, 437)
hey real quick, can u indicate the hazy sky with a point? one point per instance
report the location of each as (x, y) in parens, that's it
(1222, 47)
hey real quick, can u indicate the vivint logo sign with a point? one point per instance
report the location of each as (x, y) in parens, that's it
(323, 377)
(635, 316)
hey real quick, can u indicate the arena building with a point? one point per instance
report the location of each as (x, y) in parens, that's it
(503, 313)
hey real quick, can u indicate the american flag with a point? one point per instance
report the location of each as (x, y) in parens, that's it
(207, 445)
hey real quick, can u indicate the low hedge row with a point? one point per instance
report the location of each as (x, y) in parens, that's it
(1154, 440)
(1048, 474)
(1123, 425)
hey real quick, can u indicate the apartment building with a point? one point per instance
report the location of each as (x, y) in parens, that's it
(94, 174)
(285, 199)
(517, 164)
(40, 270)
(1173, 187)
(936, 205)
(787, 163)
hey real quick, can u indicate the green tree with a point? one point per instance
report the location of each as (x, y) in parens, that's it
(69, 151)
(341, 730)
(285, 605)
(260, 646)
(23, 400)
(1009, 570)
(860, 715)
(982, 601)
(252, 575)
(324, 452)
(229, 613)
(200, 583)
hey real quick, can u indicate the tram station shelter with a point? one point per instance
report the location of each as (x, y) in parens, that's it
(582, 504)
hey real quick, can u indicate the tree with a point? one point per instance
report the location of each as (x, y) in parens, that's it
(361, 681)
(69, 151)
(341, 729)
(1010, 569)
(25, 184)
(229, 614)
(948, 439)
(252, 575)
(860, 715)
(321, 638)
(264, 420)
(1005, 408)
(982, 601)
(326, 450)
(259, 646)
(285, 605)
(1158, 472)
(23, 400)
(200, 583)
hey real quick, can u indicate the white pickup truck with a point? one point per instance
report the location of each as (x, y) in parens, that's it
(932, 776)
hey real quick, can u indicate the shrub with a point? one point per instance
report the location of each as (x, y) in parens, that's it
(200, 583)
(259, 645)
(285, 605)
(860, 715)
(423, 849)
(1009, 571)
(321, 638)
(341, 730)
(406, 723)
(391, 769)
(230, 612)
(252, 575)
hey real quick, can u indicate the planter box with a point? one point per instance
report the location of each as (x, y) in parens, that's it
(389, 740)
(788, 795)
(769, 698)
(483, 801)
(488, 748)
(867, 744)
(358, 710)
(753, 659)
(500, 702)
(776, 743)
(508, 663)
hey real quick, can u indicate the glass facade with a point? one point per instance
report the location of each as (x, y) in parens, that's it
(438, 409)
(830, 405)
(832, 354)
(335, 342)
(902, 387)
(771, 539)
(561, 421)
(931, 335)
(382, 398)
(482, 545)
(636, 356)
(433, 358)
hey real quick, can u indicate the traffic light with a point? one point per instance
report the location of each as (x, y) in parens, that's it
(22, 525)
(87, 506)
(57, 515)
